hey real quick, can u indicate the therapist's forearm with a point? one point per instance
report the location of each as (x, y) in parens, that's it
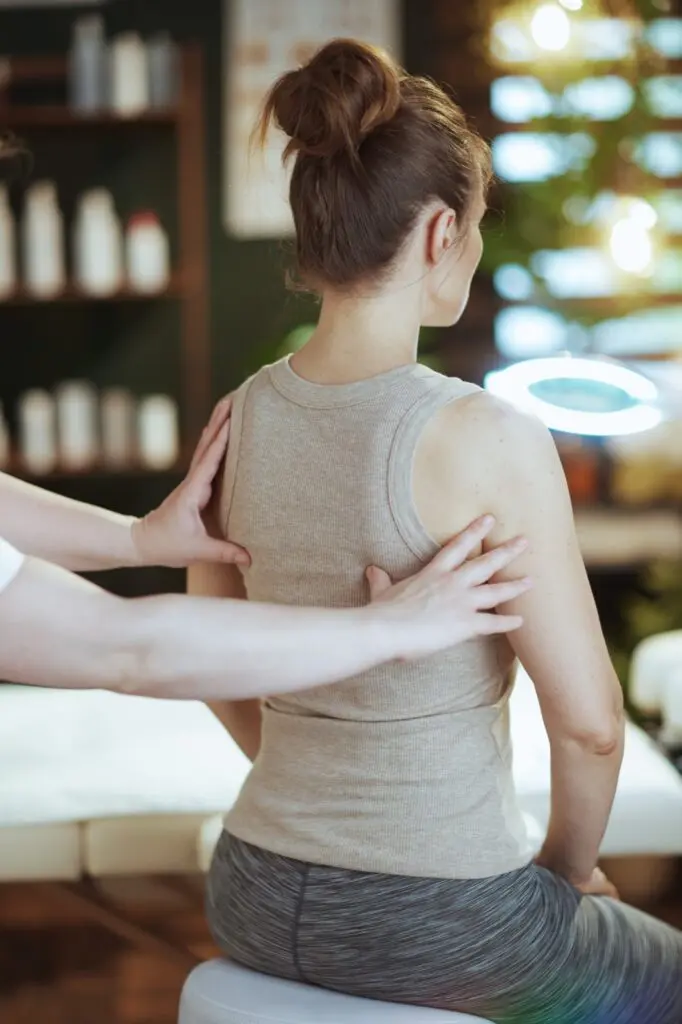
(60, 630)
(584, 785)
(69, 533)
(219, 649)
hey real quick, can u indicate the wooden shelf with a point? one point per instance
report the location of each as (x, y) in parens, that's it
(20, 117)
(617, 537)
(491, 126)
(96, 473)
(610, 306)
(73, 295)
(607, 306)
(550, 69)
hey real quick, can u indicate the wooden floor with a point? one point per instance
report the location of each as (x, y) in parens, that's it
(59, 967)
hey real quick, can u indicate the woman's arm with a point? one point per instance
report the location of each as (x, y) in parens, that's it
(560, 643)
(57, 629)
(242, 718)
(562, 647)
(85, 538)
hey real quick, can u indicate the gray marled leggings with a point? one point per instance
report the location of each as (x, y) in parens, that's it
(520, 948)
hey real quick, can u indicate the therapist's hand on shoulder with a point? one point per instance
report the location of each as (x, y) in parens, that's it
(454, 598)
(175, 534)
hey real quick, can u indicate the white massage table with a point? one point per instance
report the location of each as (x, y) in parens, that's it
(95, 785)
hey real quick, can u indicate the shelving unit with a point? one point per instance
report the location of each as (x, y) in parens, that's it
(619, 538)
(97, 472)
(20, 117)
(189, 285)
(73, 294)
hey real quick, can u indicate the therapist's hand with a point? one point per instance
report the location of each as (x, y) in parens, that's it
(175, 534)
(452, 599)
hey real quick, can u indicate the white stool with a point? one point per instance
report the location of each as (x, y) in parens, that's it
(223, 993)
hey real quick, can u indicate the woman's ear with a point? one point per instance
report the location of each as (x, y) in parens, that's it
(441, 235)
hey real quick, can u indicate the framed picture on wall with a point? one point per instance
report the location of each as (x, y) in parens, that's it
(262, 40)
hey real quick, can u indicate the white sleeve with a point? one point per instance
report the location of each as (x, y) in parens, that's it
(11, 562)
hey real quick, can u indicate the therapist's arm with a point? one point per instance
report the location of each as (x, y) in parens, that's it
(57, 629)
(84, 538)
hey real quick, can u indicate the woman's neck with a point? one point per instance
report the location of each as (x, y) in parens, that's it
(359, 337)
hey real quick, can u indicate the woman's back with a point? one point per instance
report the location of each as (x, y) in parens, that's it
(407, 768)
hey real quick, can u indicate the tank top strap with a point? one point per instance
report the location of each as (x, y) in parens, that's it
(442, 391)
(229, 473)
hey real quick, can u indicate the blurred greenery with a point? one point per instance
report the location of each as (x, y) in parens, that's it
(295, 340)
(528, 217)
(533, 214)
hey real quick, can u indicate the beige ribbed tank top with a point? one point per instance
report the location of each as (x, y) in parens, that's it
(405, 769)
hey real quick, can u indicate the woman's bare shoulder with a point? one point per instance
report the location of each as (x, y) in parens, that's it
(483, 430)
(477, 455)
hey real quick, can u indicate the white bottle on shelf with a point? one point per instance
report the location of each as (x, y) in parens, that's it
(88, 66)
(5, 443)
(98, 262)
(37, 433)
(43, 241)
(77, 425)
(128, 75)
(164, 71)
(119, 446)
(147, 253)
(8, 265)
(158, 432)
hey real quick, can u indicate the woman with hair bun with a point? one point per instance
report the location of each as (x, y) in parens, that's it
(59, 630)
(378, 847)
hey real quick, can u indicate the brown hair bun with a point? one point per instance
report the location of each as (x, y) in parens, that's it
(372, 145)
(332, 103)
